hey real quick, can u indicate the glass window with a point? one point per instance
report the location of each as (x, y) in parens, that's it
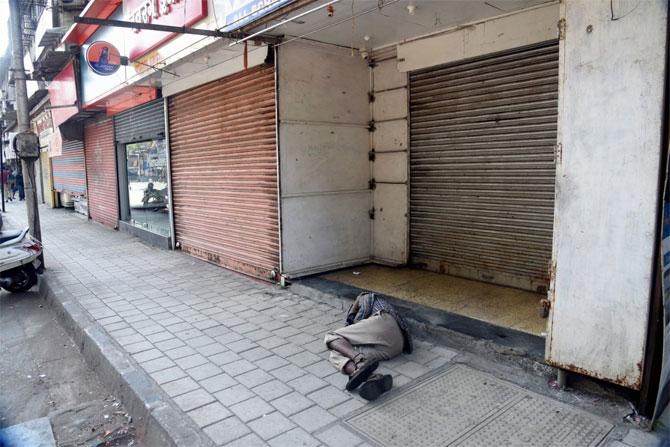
(148, 198)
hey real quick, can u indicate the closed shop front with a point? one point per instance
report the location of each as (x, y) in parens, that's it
(482, 137)
(69, 172)
(224, 171)
(143, 167)
(101, 172)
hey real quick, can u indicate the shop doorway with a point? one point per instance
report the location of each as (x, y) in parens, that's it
(143, 186)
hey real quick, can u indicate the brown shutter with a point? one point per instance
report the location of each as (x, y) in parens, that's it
(482, 168)
(101, 173)
(224, 171)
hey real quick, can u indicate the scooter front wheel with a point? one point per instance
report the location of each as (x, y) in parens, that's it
(21, 279)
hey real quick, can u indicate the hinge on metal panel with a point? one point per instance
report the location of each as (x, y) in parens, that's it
(561, 29)
(372, 63)
(372, 183)
(371, 97)
(371, 155)
(558, 153)
(371, 213)
(371, 126)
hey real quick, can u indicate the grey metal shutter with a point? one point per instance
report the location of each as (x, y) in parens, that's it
(143, 122)
(482, 137)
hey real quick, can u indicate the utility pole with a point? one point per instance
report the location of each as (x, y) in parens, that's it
(27, 143)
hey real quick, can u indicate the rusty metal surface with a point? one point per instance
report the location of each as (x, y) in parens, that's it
(143, 122)
(68, 169)
(103, 204)
(224, 171)
(482, 136)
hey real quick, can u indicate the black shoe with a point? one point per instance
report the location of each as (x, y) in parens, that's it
(361, 374)
(375, 386)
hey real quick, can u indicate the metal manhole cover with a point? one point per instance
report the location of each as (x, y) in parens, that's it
(463, 406)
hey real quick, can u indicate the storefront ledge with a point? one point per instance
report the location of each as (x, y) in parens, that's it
(455, 331)
(150, 238)
(157, 419)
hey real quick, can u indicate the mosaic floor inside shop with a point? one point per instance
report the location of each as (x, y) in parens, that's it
(502, 306)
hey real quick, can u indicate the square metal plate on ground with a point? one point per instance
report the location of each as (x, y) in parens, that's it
(466, 407)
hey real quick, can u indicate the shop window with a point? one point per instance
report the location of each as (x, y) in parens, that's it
(148, 198)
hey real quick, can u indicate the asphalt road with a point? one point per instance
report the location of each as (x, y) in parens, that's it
(43, 374)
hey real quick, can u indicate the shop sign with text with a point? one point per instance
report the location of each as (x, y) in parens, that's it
(242, 12)
(160, 12)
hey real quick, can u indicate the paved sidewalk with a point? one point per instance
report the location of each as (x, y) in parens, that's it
(244, 359)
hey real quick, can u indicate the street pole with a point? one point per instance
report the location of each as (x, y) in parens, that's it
(27, 142)
(2, 165)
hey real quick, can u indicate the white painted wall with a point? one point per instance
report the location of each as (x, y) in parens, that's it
(390, 140)
(512, 30)
(607, 186)
(323, 149)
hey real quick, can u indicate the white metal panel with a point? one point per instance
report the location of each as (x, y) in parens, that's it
(391, 167)
(387, 75)
(390, 104)
(390, 136)
(487, 36)
(607, 186)
(324, 232)
(324, 167)
(317, 158)
(390, 224)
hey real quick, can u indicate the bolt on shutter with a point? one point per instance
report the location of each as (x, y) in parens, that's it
(482, 137)
(145, 122)
(224, 171)
(69, 172)
(103, 205)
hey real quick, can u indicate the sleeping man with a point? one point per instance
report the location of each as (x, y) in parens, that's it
(373, 332)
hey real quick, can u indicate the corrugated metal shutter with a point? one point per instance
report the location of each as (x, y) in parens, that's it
(68, 168)
(482, 168)
(224, 171)
(100, 152)
(144, 122)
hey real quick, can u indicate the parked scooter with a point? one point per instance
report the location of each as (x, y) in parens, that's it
(19, 261)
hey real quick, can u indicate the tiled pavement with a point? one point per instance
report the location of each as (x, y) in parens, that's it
(243, 359)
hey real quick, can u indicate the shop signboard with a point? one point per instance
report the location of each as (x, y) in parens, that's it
(63, 95)
(103, 58)
(238, 13)
(159, 12)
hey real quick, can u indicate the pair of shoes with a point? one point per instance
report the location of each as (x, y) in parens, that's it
(363, 370)
(375, 386)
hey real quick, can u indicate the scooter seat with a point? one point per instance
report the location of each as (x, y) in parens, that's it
(8, 235)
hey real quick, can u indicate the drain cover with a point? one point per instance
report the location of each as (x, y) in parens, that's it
(463, 406)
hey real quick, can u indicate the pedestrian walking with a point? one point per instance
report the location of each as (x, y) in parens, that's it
(19, 185)
(6, 173)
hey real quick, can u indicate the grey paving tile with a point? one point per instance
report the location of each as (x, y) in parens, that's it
(304, 358)
(329, 397)
(180, 352)
(224, 358)
(238, 367)
(292, 403)
(338, 436)
(251, 409)
(253, 378)
(191, 361)
(188, 334)
(240, 346)
(193, 399)
(250, 440)
(232, 395)
(199, 341)
(307, 383)
(346, 408)
(293, 438)
(209, 414)
(204, 371)
(339, 380)
(316, 347)
(130, 339)
(287, 350)
(256, 353)
(145, 356)
(211, 349)
(321, 369)
(271, 425)
(160, 336)
(272, 342)
(286, 332)
(168, 375)
(313, 418)
(412, 369)
(218, 382)
(228, 337)
(216, 331)
(272, 390)
(226, 430)
(157, 364)
(138, 347)
(179, 386)
(271, 363)
(258, 334)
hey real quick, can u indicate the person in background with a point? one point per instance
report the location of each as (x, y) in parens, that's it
(6, 173)
(19, 185)
(12, 184)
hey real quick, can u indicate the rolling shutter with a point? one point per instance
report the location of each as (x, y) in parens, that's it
(224, 171)
(482, 137)
(103, 205)
(145, 122)
(69, 171)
